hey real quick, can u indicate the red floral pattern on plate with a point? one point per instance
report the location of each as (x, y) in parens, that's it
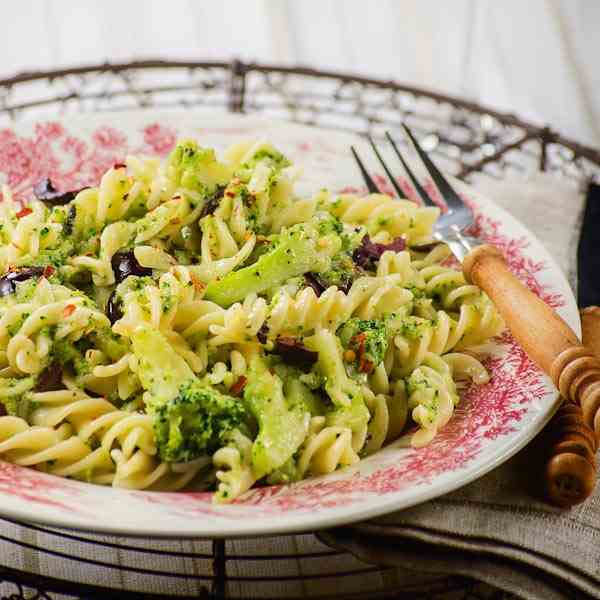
(68, 161)
(486, 412)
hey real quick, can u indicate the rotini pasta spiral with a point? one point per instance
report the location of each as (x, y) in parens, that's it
(326, 449)
(386, 218)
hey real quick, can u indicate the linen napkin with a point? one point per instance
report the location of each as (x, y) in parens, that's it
(497, 529)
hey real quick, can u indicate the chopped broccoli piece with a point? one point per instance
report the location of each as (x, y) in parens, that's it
(197, 421)
(14, 395)
(282, 422)
(161, 370)
(195, 168)
(110, 343)
(267, 155)
(327, 223)
(366, 339)
(65, 352)
(191, 418)
(296, 252)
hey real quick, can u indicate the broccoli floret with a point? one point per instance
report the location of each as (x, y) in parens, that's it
(366, 339)
(191, 418)
(297, 251)
(267, 155)
(327, 223)
(195, 168)
(282, 422)
(197, 421)
(111, 344)
(14, 394)
(65, 352)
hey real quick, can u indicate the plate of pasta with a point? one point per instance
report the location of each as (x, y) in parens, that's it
(208, 328)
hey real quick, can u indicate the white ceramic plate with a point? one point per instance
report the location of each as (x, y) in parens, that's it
(491, 423)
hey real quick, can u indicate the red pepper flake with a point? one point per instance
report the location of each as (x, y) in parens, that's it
(364, 365)
(119, 166)
(24, 212)
(198, 285)
(48, 271)
(238, 386)
(230, 194)
(68, 310)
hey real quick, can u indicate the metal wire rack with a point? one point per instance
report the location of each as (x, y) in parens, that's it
(44, 563)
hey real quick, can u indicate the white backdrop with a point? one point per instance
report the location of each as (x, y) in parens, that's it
(537, 58)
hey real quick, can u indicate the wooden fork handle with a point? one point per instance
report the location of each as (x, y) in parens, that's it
(574, 369)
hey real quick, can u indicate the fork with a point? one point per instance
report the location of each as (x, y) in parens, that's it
(570, 472)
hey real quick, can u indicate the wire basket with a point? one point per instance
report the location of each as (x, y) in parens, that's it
(467, 139)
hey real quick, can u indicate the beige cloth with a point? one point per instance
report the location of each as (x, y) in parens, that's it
(496, 529)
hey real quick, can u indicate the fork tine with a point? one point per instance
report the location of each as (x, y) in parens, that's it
(451, 198)
(391, 177)
(365, 174)
(420, 190)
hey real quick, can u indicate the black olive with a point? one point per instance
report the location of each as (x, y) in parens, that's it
(318, 284)
(46, 192)
(293, 352)
(212, 202)
(113, 310)
(50, 379)
(367, 255)
(125, 264)
(8, 280)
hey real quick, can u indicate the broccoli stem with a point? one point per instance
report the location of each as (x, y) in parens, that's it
(282, 427)
(161, 370)
(296, 254)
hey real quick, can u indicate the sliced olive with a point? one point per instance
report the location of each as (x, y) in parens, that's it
(46, 192)
(294, 353)
(50, 379)
(125, 264)
(8, 280)
(367, 255)
(113, 308)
